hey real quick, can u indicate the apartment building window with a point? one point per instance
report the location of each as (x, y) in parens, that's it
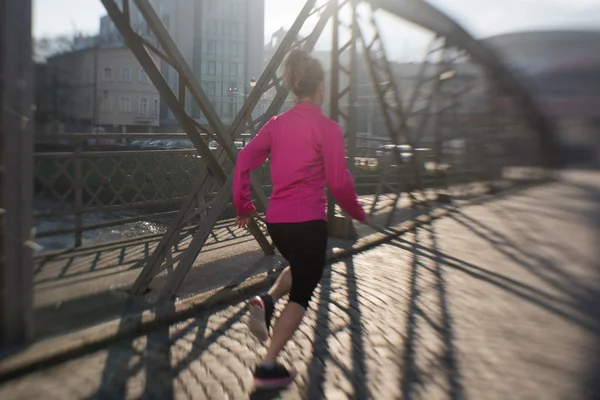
(87, 104)
(143, 76)
(106, 104)
(125, 74)
(212, 5)
(143, 106)
(212, 28)
(156, 107)
(233, 69)
(225, 69)
(212, 47)
(212, 68)
(225, 28)
(108, 74)
(235, 8)
(87, 76)
(227, 110)
(234, 48)
(125, 104)
(233, 30)
(211, 88)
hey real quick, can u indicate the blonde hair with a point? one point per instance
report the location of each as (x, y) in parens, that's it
(302, 73)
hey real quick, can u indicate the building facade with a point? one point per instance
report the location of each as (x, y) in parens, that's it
(104, 86)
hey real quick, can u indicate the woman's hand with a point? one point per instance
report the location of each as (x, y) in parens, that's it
(242, 221)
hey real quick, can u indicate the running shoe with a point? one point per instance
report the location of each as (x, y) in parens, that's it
(261, 312)
(273, 377)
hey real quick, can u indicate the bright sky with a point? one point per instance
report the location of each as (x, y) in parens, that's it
(480, 17)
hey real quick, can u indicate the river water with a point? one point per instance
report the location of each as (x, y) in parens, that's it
(110, 234)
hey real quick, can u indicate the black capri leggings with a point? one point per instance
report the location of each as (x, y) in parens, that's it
(304, 246)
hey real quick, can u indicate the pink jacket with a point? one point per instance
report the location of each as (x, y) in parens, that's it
(307, 150)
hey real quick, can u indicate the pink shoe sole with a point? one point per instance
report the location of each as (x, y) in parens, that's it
(274, 384)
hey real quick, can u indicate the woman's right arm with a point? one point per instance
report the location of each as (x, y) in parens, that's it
(339, 178)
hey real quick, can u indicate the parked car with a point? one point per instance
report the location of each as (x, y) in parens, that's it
(214, 145)
(387, 158)
(138, 143)
(100, 143)
(153, 144)
(178, 144)
(405, 150)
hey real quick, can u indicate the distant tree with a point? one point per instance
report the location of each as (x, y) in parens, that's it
(46, 47)
(52, 90)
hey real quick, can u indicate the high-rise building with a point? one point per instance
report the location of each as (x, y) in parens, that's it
(223, 43)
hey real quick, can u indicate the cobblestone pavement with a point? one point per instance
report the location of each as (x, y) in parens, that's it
(498, 302)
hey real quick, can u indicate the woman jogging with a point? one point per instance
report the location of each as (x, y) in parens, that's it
(307, 151)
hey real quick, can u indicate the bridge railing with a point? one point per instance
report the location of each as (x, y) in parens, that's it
(95, 188)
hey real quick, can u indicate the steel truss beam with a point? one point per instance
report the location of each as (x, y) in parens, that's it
(343, 98)
(16, 187)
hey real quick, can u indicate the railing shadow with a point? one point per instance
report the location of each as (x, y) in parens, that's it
(146, 367)
(131, 254)
(585, 302)
(537, 265)
(322, 351)
(434, 317)
(79, 310)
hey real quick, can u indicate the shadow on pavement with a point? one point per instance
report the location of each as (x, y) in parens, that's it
(536, 264)
(132, 254)
(321, 352)
(583, 304)
(425, 277)
(145, 367)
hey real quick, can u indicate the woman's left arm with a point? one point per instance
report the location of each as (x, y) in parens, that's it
(250, 158)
